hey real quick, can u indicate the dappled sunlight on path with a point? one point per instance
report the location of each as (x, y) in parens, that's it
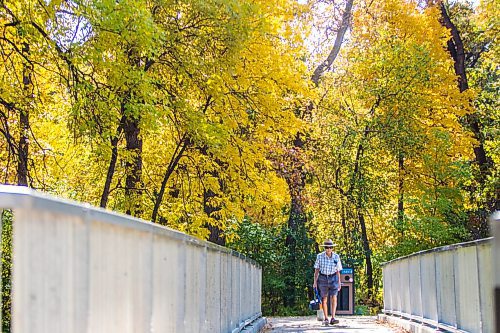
(348, 324)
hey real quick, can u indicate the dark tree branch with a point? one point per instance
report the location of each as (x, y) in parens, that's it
(112, 164)
(174, 161)
(325, 65)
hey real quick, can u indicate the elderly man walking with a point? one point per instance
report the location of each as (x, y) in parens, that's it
(327, 278)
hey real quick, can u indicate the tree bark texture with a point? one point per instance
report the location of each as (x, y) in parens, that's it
(133, 166)
(367, 252)
(24, 123)
(216, 235)
(401, 209)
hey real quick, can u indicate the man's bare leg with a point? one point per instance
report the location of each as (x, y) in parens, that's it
(325, 306)
(333, 303)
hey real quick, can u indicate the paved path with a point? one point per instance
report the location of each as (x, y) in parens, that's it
(348, 324)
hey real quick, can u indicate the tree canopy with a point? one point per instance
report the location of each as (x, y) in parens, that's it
(253, 123)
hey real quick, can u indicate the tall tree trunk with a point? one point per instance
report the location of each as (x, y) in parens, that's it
(357, 175)
(133, 166)
(361, 218)
(485, 163)
(456, 49)
(296, 220)
(10, 140)
(112, 164)
(22, 165)
(401, 209)
(24, 123)
(216, 235)
(367, 252)
(345, 230)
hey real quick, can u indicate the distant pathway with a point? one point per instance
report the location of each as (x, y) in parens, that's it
(348, 324)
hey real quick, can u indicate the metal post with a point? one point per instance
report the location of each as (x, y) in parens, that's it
(495, 228)
(1, 260)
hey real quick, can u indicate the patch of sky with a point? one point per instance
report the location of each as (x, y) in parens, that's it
(69, 28)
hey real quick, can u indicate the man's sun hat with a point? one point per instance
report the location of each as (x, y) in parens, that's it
(328, 243)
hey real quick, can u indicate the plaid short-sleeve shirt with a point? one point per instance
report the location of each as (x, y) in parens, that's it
(328, 265)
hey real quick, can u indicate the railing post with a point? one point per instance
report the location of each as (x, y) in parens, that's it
(415, 287)
(428, 285)
(1, 267)
(495, 228)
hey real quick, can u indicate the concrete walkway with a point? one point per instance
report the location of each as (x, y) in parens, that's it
(348, 324)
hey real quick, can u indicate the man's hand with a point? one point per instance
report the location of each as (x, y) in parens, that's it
(315, 285)
(340, 286)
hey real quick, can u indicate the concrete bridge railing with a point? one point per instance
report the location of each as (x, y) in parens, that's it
(81, 269)
(449, 288)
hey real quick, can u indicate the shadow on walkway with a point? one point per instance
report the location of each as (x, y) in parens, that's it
(347, 324)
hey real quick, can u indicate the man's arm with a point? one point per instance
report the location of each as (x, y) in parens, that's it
(316, 273)
(340, 282)
(339, 268)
